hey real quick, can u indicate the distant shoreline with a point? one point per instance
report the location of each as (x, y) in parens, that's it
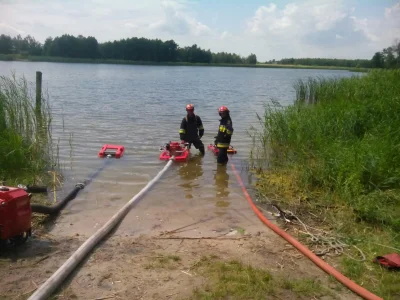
(5, 57)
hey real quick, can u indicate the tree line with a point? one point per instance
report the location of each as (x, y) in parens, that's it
(326, 62)
(388, 58)
(134, 49)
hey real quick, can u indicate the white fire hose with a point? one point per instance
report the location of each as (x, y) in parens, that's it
(51, 284)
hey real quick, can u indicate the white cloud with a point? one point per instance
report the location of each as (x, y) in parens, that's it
(364, 25)
(177, 21)
(381, 31)
(224, 35)
(131, 25)
(311, 15)
(9, 30)
(393, 13)
(323, 28)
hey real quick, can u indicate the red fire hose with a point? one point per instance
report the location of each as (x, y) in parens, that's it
(304, 250)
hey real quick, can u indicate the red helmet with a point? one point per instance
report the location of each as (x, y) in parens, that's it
(223, 109)
(189, 107)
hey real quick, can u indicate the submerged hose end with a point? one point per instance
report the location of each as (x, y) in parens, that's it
(80, 185)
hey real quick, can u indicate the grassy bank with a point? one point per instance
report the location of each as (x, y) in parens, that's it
(13, 57)
(25, 137)
(334, 159)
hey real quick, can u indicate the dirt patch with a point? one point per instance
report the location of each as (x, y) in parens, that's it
(24, 269)
(160, 267)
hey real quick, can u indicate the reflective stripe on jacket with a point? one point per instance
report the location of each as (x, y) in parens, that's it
(225, 132)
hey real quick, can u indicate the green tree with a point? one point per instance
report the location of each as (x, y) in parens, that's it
(390, 59)
(135, 49)
(5, 44)
(47, 46)
(33, 46)
(377, 60)
(251, 59)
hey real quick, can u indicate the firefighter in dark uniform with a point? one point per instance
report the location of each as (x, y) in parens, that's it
(192, 129)
(223, 138)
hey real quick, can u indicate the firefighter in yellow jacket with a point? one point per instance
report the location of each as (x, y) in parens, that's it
(223, 138)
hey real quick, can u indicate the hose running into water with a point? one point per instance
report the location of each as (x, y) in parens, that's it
(45, 290)
(55, 209)
(304, 250)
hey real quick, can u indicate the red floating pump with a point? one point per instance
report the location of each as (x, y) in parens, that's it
(178, 150)
(114, 150)
(215, 150)
(15, 214)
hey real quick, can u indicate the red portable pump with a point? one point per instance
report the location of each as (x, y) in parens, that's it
(177, 149)
(215, 150)
(15, 214)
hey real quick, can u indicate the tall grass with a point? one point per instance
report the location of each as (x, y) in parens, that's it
(339, 146)
(346, 142)
(25, 135)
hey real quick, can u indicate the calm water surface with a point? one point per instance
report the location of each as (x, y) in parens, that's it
(141, 107)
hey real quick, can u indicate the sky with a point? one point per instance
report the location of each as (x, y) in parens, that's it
(270, 29)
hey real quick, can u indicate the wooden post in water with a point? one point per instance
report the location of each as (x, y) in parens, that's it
(38, 92)
(38, 107)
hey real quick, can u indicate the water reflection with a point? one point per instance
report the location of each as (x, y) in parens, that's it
(189, 173)
(221, 183)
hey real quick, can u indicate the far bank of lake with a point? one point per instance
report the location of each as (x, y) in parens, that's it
(15, 57)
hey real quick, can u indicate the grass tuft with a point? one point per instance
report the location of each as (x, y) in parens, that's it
(163, 261)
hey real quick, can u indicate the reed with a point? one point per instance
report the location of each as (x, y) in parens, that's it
(25, 134)
(336, 153)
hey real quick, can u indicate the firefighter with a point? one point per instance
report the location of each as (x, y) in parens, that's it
(192, 129)
(223, 138)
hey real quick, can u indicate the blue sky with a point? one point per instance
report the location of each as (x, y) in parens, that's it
(270, 29)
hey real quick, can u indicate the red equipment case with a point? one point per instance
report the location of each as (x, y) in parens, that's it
(15, 213)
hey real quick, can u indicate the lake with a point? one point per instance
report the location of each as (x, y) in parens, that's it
(141, 107)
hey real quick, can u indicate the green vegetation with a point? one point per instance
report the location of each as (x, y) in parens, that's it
(335, 153)
(131, 49)
(284, 66)
(325, 62)
(25, 137)
(233, 280)
(19, 57)
(68, 48)
(389, 58)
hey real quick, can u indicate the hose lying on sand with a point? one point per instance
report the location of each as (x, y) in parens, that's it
(304, 250)
(44, 291)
